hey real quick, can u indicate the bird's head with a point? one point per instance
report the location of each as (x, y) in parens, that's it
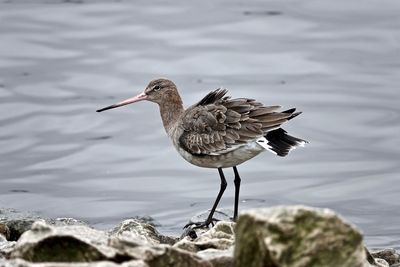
(160, 90)
(157, 91)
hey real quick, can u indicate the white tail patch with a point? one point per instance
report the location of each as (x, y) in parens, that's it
(298, 143)
(262, 141)
(302, 143)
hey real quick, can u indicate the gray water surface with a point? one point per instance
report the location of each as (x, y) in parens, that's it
(337, 61)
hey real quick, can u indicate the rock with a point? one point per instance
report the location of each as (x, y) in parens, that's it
(221, 237)
(141, 231)
(297, 236)
(4, 231)
(6, 247)
(18, 227)
(167, 256)
(17, 222)
(65, 222)
(215, 245)
(275, 237)
(375, 262)
(134, 263)
(79, 243)
(23, 263)
(20, 222)
(218, 258)
(63, 243)
(156, 256)
(380, 263)
(389, 255)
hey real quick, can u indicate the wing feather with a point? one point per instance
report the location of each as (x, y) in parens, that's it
(218, 124)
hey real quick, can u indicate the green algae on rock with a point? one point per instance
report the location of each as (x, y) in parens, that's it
(297, 236)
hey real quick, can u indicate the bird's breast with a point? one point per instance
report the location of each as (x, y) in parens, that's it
(222, 159)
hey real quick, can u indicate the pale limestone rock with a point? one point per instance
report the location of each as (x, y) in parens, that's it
(157, 256)
(78, 243)
(214, 245)
(142, 232)
(221, 237)
(63, 243)
(218, 258)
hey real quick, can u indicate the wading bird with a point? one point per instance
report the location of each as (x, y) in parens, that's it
(219, 132)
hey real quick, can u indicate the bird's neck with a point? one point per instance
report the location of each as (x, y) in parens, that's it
(171, 111)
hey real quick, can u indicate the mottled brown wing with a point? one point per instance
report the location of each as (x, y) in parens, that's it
(218, 124)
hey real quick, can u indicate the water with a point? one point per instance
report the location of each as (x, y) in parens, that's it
(338, 62)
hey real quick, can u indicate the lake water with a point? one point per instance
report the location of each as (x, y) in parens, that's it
(337, 61)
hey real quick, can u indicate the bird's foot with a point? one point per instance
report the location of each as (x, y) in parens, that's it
(198, 225)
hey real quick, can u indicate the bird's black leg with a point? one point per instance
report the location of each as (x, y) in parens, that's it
(222, 188)
(221, 192)
(237, 188)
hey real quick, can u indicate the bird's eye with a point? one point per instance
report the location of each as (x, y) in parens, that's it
(156, 88)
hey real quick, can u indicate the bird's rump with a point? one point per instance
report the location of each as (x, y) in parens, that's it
(218, 124)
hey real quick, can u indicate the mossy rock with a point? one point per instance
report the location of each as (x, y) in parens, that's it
(297, 236)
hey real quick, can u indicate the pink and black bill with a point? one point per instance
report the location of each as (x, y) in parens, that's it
(128, 101)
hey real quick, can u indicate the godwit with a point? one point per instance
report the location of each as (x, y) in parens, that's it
(219, 132)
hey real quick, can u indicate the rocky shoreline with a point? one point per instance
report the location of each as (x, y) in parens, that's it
(283, 236)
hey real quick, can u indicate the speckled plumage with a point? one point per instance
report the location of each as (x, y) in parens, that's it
(218, 124)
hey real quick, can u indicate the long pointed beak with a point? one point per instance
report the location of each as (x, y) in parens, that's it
(139, 97)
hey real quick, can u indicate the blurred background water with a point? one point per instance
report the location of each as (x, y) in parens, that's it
(337, 61)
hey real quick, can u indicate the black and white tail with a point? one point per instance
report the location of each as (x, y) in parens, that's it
(280, 143)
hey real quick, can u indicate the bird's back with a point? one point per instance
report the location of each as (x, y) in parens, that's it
(218, 125)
